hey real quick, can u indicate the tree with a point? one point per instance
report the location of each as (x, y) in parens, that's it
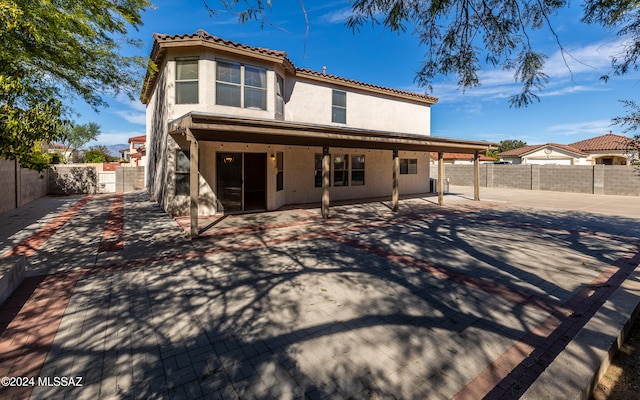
(74, 137)
(506, 145)
(97, 154)
(61, 49)
(462, 34)
(632, 123)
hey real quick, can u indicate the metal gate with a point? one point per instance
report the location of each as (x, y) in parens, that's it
(107, 182)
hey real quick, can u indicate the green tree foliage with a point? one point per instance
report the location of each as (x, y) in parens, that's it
(506, 145)
(631, 122)
(50, 50)
(493, 154)
(97, 154)
(462, 35)
(74, 137)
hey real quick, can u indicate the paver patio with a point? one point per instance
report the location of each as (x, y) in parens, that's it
(468, 300)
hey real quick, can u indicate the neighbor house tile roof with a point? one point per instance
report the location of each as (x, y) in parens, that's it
(524, 150)
(138, 139)
(202, 38)
(609, 141)
(460, 156)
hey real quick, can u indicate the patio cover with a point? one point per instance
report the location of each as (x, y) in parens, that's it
(200, 126)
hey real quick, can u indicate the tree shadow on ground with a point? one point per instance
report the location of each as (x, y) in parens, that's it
(368, 304)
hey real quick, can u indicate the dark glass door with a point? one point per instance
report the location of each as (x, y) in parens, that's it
(229, 180)
(255, 181)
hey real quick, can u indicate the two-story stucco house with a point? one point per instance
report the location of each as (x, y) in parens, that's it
(233, 128)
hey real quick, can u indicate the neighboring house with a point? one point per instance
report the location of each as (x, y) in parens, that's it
(137, 150)
(125, 155)
(609, 149)
(254, 132)
(64, 151)
(461, 158)
(549, 153)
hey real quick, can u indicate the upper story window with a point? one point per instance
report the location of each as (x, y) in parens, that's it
(279, 96)
(339, 107)
(240, 85)
(186, 81)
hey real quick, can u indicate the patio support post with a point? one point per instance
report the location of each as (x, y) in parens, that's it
(440, 178)
(326, 173)
(396, 173)
(193, 184)
(476, 176)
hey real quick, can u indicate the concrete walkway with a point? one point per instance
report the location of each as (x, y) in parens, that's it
(519, 295)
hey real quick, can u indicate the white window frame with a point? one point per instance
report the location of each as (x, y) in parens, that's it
(178, 82)
(335, 107)
(243, 86)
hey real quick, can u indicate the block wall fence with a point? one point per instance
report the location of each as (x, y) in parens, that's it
(22, 186)
(594, 179)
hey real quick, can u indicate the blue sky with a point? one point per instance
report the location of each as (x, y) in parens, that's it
(575, 104)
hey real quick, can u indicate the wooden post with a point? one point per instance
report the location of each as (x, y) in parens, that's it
(476, 176)
(440, 178)
(326, 175)
(396, 173)
(193, 184)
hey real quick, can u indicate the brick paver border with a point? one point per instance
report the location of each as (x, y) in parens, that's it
(31, 244)
(514, 371)
(114, 228)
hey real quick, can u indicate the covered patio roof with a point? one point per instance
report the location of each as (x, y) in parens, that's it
(226, 128)
(200, 126)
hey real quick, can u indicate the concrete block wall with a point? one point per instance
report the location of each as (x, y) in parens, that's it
(598, 179)
(7, 181)
(621, 180)
(517, 176)
(567, 178)
(129, 179)
(458, 176)
(73, 180)
(20, 185)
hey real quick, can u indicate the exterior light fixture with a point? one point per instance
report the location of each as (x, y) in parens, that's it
(273, 157)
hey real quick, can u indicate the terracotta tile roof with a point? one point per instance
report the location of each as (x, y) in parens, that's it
(460, 156)
(521, 151)
(609, 141)
(206, 36)
(200, 38)
(338, 79)
(138, 139)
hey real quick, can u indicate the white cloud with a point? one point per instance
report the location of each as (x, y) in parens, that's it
(133, 117)
(579, 74)
(111, 138)
(134, 112)
(337, 16)
(594, 58)
(594, 128)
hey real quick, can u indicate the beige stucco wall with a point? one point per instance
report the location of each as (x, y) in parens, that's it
(305, 101)
(311, 102)
(299, 172)
(556, 157)
(207, 86)
(618, 157)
